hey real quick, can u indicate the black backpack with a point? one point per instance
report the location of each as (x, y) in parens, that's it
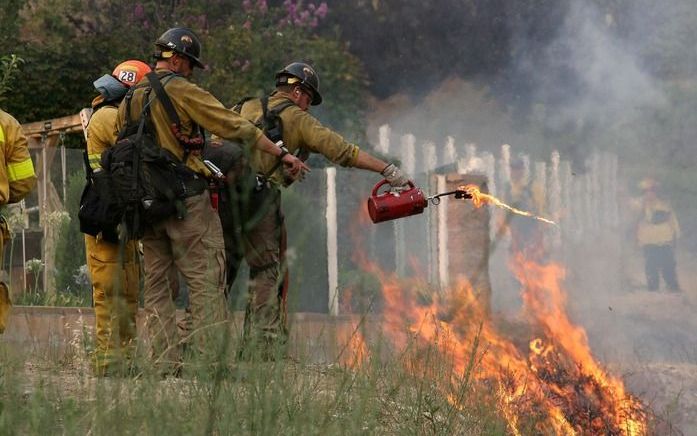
(148, 182)
(270, 122)
(98, 209)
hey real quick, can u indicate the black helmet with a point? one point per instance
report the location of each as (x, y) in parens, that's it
(180, 40)
(299, 73)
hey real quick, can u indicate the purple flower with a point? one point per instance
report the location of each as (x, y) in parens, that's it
(262, 6)
(322, 10)
(139, 11)
(247, 6)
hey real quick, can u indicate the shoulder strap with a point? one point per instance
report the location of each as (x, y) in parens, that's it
(238, 106)
(88, 168)
(156, 85)
(273, 128)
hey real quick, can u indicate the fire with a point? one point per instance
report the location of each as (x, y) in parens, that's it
(552, 381)
(354, 350)
(479, 199)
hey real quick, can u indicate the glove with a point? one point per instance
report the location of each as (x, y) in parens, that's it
(394, 176)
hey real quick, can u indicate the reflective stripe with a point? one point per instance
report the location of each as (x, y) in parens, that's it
(95, 160)
(20, 170)
(2, 135)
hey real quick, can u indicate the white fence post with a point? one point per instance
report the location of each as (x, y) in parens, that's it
(450, 153)
(443, 278)
(408, 155)
(384, 139)
(332, 245)
(430, 163)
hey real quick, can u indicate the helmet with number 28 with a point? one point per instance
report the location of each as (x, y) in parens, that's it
(130, 72)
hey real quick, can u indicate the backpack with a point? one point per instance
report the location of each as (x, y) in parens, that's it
(97, 213)
(270, 122)
(148, 183)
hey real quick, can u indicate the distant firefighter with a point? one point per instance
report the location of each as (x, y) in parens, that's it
(657, 234)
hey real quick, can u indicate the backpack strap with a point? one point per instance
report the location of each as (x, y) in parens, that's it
(188, 143)
(88, 168)
(238, 106)
(156, 85)
(273, 127)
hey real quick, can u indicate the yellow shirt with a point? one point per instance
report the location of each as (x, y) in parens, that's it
(17, 177)
(194, 106)
(658, 225)
(101, 132)
(300, 131)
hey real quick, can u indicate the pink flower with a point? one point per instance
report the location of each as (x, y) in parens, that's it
(139, 11)
(322, 10)
(247, 25)
(247, 6)
(262, 6)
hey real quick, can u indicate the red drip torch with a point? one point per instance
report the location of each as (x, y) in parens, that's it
(215, 184)
(400, 203)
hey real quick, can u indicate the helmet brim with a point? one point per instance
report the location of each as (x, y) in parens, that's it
(196, 62)
(316, 99)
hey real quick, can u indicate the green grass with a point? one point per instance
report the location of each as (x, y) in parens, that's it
(394, 394)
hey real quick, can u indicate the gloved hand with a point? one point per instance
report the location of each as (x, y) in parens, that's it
(394, 176)
(293, 166)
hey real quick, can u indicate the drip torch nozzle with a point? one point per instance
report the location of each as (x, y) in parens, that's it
(462, 193)
(458, 193)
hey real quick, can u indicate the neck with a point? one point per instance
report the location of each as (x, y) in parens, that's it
(163, 65)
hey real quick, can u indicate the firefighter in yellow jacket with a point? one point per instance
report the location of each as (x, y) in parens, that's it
(115, 280)
(193, 244)
(657, 233)
(264, 235)
(17, 179)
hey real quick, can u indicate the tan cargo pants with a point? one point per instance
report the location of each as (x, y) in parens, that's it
(264, 239)
(194, 245)
(115, 286)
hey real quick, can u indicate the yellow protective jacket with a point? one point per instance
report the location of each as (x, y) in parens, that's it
(17, 177)
(300, 131)
(658, 224)
(195, 106)
(101, 131)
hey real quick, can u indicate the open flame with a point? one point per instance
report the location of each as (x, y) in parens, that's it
(479, 198)
(552, 379)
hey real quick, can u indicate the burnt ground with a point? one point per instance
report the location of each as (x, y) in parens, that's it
(650, 338)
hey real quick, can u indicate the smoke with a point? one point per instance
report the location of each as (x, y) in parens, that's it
(597, 76)
(604, 81)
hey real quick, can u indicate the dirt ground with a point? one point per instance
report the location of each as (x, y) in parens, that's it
(651, 339)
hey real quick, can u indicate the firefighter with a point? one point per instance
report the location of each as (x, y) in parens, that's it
(193, 244)
(17, 179)
(657, 234)
(264, 236)
(115, 277)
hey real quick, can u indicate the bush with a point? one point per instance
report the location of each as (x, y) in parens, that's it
(71, 272)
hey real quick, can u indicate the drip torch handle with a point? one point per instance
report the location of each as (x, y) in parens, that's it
(384, 182)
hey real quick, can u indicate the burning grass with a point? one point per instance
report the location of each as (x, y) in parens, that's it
(435, 363)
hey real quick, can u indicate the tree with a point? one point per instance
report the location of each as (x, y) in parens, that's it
(67, 44)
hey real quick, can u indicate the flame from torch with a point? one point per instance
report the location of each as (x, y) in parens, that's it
(479, 199)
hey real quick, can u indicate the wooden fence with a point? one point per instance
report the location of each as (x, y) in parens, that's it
(582, 198)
